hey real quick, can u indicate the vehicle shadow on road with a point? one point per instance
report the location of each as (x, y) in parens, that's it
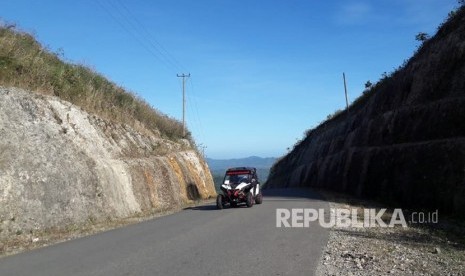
(213, 207)
(202, 208)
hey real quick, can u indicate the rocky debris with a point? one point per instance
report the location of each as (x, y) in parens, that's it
(391, 251)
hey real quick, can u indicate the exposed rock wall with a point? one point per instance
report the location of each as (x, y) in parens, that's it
(60, 166)
(404, 141)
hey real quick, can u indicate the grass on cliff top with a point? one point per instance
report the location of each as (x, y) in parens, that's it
(25, 63)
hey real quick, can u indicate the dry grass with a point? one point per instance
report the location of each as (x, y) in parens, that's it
(26, 64)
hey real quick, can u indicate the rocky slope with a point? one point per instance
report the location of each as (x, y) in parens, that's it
(403, 141)
(61, 166)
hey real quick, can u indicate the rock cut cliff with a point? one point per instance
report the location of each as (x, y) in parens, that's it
(61, 166)
(403, 141)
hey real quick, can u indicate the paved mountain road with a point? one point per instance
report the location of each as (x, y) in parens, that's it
(195, 241)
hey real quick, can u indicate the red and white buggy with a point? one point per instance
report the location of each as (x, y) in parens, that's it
(240, 185)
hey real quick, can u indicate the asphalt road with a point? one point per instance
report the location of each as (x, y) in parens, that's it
(195, 241)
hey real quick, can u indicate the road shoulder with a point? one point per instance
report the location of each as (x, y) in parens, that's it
(431, 249)
(24, 242)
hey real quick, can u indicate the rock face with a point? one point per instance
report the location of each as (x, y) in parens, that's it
(403, 141)
(60, 166)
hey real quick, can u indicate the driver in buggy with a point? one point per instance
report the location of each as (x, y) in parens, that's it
(237, 179)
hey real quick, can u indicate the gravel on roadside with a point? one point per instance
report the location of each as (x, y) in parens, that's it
(432, 249)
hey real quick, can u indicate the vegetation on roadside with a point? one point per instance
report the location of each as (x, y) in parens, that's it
(26, 64)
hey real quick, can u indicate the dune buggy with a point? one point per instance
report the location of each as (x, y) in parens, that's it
(240, 185)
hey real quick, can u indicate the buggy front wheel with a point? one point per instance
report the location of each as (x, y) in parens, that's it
(219, 202)
(249, 199)
(259, 198)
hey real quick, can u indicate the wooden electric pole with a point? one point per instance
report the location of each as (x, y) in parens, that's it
(183, 76)
(345, 90)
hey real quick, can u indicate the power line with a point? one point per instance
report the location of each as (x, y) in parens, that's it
(194, 106)
(155, 43)
(122, 15)
(112, 16)
(132, 26)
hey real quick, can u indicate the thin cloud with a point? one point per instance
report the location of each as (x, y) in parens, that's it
(353, 13)
(423, 13)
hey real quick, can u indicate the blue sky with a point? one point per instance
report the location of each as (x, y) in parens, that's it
(262, 72)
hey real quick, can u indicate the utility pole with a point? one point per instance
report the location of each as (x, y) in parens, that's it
(345, 90)
(183, 76)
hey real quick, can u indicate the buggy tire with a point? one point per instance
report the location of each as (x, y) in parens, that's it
(259, 198)
(219, 202)
(249, 200)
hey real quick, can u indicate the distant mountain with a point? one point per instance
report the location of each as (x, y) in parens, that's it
(219, 166)
(252, 161)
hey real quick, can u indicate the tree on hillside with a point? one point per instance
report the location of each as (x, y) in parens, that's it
(422, 37)
(368, 84)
